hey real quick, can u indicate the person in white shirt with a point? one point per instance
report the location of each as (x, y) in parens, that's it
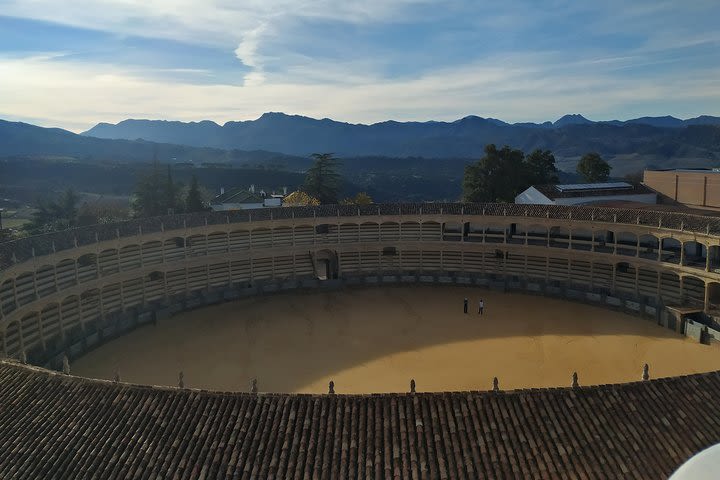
(481, 306)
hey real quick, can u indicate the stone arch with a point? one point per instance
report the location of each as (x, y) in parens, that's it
(70, 311)
(626, 243)
(7, 296)
(13, 340)
(649, 245)
(452, 231)
(45, 280)
(369, 232)
(693, 291)
(670, 250)
(582, 238)
(410, 231)
(25, 288)
(694, 254)
(348, 232)
(604, 240)
(217, 243)
(196, 245)
(713, 297)
(282, 236)
(174, 249)
(559, 237)
(670, 288)
(389, 231)
(152, 253)
(304, 234)
(108, 262)
(130, 257)
(537, 235)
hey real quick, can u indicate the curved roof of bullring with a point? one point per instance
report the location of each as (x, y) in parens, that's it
(59, 426)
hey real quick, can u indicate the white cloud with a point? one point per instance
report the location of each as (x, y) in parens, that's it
(77, 95)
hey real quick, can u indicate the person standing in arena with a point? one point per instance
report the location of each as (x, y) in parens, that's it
(465, 305)
(481, 306)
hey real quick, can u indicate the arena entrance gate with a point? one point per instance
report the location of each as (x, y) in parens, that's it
(325, 264)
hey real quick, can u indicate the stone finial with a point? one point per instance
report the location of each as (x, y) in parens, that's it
(496, 385)
(575, 383)
(23, 356)
(331, 387)
(116, 377)
(646, 372)
(253, 385)
(66, 365)
(412, 385)
(181, 379)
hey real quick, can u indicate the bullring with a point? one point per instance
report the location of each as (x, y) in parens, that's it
(66, 293)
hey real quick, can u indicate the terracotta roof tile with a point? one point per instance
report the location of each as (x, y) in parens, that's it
(59, 426)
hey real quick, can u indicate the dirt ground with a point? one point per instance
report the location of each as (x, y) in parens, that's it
(377, 339)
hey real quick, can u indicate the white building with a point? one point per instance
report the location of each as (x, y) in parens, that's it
(586, 194)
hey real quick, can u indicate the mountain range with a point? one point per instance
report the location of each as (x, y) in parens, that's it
(570, 136)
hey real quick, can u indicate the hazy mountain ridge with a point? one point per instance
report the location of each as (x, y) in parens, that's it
(569, 136)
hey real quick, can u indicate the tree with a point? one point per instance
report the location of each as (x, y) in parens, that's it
(194, 201)
(154, 197)
(593, 168)
(540, 167)
(497, 177)
(300, 199)
(322, 180)
(361, 198)
(55, 214)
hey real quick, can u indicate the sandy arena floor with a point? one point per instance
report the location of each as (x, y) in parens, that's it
(377, 339)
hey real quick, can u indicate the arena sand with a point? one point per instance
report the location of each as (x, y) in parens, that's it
(377, 339)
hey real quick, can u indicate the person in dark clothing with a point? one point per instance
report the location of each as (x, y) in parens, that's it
(465, 306)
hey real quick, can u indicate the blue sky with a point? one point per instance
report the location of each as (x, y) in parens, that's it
(73, 63)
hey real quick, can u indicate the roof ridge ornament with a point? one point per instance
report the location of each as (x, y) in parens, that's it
(331, 387)
(646, 372)
(496, 385)
(66, 365)
(575, 383)
(181, 380)
(412, 385)
(253, 386)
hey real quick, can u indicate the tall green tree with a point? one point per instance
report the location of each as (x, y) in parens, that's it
(53, 214)
(497, 177)
(194, 200)
(540, 167)
(156, 196)
(322, 180)
(593, 168)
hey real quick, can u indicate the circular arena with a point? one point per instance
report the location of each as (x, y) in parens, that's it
(69, 300)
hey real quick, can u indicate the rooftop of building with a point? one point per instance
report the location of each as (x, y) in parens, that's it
(553, 191)
(238, 195)
(685, 170)
(60, 426)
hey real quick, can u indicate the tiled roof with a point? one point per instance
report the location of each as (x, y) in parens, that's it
(238, 195)
(58, 426)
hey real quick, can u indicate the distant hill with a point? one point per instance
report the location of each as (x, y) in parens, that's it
(23, 139)
(569, 137)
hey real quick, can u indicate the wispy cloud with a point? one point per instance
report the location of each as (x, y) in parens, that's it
(359, 61)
